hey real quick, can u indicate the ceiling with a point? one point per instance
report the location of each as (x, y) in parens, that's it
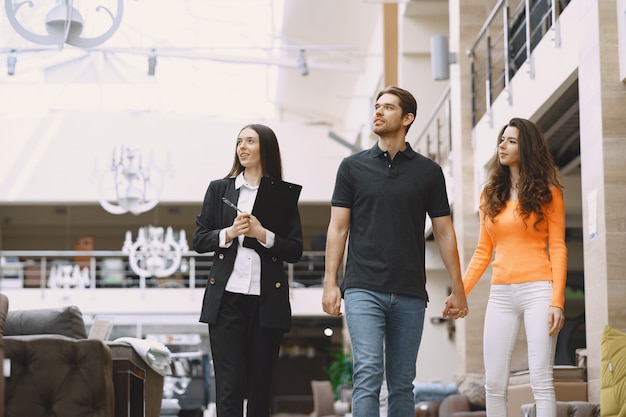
(217, 58)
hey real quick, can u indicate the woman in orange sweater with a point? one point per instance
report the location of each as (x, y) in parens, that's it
(522, 219)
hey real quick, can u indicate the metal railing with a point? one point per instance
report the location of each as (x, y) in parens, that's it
(435, 140)
(111, 269)
(504, 45)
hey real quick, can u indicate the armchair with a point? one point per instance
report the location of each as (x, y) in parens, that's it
(57, 370)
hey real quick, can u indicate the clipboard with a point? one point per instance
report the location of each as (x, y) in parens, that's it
(275, 201)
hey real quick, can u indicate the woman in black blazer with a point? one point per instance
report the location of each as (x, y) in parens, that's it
(246, 301)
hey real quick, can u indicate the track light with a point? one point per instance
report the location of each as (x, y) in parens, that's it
(152, 61)
(302, 64)
(11, 61)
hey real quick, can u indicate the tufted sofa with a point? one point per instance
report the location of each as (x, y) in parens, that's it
(56, 370)
(566, 409)
(53, 377)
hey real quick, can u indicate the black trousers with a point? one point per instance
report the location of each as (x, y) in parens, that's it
(244, 355)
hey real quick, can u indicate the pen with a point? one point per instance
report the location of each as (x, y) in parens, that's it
(227, 201)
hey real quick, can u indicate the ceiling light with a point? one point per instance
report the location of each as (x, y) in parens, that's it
(155, 252)
(64, 24)
(302, 64)
(11, 61)
(152, 61)
(136, 185)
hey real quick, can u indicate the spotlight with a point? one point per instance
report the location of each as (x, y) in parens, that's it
(152, 61)
(11, 61)
(302, 64)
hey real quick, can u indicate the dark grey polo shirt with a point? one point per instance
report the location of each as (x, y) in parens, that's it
(389, 201)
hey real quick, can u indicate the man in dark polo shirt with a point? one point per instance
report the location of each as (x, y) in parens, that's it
(381, 199)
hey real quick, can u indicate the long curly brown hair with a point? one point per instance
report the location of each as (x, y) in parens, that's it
(537, 175)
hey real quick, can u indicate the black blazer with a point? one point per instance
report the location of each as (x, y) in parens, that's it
(275, 308)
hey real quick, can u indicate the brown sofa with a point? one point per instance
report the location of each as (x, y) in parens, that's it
(56, 370)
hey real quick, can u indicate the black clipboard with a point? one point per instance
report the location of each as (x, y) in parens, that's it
(275, 202)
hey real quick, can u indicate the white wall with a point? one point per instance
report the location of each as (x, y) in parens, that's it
(61, 156)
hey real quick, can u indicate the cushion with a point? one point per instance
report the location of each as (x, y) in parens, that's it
(59, 376)
(65, 321)
(473, 387)
(432, 391)
(613, 373)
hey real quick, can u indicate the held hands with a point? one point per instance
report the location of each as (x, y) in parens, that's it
(556, 319)
(456, 306)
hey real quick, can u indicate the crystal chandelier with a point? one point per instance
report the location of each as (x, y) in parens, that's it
(130, 185)
(155, 252)
(63, 23)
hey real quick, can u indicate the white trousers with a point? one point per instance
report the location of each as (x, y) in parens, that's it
(508, 305)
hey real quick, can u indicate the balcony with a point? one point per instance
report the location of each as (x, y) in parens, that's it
(504, 47)
(105, 285)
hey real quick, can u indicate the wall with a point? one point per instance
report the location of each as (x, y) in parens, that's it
(61, 157)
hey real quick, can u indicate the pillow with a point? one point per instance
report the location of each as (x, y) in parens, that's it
(65, 321)
(432, 391)
(472, 386)
(613, 373)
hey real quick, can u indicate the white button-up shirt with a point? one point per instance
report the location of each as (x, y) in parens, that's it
(246, 275)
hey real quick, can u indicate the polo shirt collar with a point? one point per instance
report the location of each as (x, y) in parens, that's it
(376, 152)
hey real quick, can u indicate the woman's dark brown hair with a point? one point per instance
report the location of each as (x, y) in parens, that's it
(271, 162)
(536, 170)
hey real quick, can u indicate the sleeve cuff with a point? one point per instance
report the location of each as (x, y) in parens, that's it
(223, 243)
(270, 237)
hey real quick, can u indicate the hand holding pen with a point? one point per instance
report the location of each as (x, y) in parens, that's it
(244, 224)
(241, 224)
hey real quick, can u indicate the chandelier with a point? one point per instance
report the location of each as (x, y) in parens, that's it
(68, 276)
(155, 252)
(63, 23)
(130, 185)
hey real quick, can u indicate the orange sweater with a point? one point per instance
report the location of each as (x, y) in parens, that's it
(523, 253)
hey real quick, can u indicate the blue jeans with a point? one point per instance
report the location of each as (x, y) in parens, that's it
(385, 330)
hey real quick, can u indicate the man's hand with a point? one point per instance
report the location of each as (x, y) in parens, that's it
(456, 306)
(331, 299)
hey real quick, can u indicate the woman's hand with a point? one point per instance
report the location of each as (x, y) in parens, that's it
(255, 229)
(556, 319)
(455, 307)
(240, 226)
